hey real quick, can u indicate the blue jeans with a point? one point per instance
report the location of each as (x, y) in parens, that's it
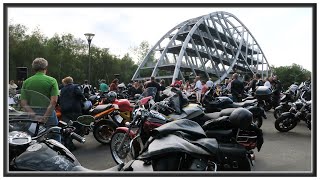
(52, 121)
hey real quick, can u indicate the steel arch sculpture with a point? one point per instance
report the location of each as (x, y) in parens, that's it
(214, 45)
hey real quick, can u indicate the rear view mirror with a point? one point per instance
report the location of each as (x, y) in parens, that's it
(85, 119)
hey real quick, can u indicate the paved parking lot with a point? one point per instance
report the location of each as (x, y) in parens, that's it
(290, 152)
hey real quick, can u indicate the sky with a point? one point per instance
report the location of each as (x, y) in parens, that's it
(284, 34)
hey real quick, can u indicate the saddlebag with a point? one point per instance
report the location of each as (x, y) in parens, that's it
(233, 157)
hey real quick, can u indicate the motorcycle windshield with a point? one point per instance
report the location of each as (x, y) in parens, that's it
(150, 91)
(31, 108)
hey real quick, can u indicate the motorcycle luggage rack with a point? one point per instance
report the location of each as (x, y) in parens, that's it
(245, 138)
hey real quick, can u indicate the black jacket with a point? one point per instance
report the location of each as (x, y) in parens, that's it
(277, 88)
(71, 98)
(237, 87)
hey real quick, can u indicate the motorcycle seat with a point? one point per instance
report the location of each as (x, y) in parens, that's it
(100, 108)
(221, 123)
(209, 116)
(220, 135)
(244, 104)
(216, 115)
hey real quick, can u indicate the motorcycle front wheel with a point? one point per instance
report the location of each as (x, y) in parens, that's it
(257, 121)
(103, 131)
(268, 106)
(285, 124)
(277, 113)
(120, 155)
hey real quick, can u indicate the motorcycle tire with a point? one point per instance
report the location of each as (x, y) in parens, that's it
(104, 130)
(284, 128)
(267, 107)
(123, 155)
(277, 113)
(258, 121)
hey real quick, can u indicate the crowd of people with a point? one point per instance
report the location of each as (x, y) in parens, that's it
(71, 95)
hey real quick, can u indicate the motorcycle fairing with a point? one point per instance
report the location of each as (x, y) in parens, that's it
(100, 108)
(45, 158)
(173, 143)
(183, 125)
(189, 112)
(124, 104)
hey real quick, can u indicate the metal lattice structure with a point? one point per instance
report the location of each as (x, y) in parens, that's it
(214, 45)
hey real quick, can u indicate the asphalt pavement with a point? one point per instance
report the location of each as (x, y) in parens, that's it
(281, 152)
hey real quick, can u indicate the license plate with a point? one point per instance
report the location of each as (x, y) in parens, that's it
(118, 118)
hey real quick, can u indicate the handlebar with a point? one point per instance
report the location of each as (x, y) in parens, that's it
(77, 137)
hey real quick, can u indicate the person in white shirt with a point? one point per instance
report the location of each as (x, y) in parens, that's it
(267, 83)
(209, 83)
(12, 88)
(198, 88)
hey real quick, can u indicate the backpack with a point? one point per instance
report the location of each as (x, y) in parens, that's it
(260, 83)
(86, 89)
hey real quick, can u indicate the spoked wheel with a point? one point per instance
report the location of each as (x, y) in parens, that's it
(120, 155)
(257, 121)
(103, 131)
(285, 124)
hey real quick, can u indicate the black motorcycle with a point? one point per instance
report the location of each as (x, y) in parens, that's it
(183, 145)
(265, 98)
(284, 104)
(223, 106)
(216, 104)
(31, 150)
(300, 110)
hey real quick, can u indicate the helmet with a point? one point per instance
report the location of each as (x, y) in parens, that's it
(241, 118)
(111, 96)
(87, 105)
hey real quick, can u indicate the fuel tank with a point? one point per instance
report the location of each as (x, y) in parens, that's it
(48, 156)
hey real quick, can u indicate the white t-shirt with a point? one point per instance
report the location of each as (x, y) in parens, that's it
(267, 83)
(198, 85)
(209, 84)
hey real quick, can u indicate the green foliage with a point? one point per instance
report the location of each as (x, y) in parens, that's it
(66, 55)
(290, 74)
(142, 50)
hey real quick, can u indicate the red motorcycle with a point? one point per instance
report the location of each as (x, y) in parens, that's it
(113, 113)
(127, 142)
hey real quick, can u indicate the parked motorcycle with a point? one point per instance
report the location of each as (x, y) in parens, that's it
(32, 151)
(216, 104)
(36, 153)
(264, 96)
(113, 113)
(179, 144)
(300, 110)
(284, 106)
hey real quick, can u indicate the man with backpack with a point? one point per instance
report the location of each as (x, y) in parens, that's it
(70, 101)
(86, 89)
(259, 80)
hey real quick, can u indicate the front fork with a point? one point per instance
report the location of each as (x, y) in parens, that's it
(252, 157)
(123, 140)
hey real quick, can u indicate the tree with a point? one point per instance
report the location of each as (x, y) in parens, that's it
(66, 55)
(290, 74)
(142, 50)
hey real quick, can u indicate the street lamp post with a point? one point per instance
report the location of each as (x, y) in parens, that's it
(89, 37)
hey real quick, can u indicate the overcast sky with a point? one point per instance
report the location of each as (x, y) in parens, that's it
(284, 34)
